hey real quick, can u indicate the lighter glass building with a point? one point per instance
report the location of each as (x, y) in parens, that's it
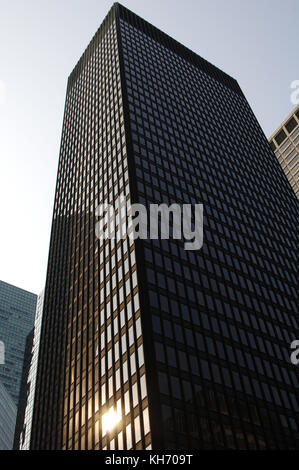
(285, 144)
(145, 345)
(25, 409)
(8, 413)
(17, 309)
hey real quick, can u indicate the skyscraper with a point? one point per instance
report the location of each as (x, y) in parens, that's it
(145, 344)
(24, 390)
(8, 413)
(17, 308)
(16, 320)
(285, 144)
(26, 401)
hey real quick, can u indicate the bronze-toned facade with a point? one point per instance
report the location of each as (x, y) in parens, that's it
(144, 344)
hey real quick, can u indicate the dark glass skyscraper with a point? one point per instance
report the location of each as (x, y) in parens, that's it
(145, 344)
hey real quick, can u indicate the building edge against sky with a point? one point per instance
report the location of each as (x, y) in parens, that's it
(147, 118)
(285, 144)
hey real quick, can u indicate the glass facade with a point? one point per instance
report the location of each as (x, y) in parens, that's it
(8, 413)
(97, 395)
(144, 344)
(17, 308)
(26, 402)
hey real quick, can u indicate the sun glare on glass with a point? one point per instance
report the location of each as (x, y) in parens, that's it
(110, 419)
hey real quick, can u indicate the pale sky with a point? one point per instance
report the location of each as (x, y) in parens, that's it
(255, 41)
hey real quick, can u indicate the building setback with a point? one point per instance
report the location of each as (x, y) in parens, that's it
(144, 344)
(285, 144)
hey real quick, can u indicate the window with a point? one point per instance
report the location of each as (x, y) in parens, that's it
(146, 424)
(135, 395)
(127, 402)
(129, 436)
(291, 124)
(280, 137)
(143, 387)
(137, 429)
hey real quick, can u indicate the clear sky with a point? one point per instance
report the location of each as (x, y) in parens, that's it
(255, 41)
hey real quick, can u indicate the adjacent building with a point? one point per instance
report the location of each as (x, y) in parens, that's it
(26, 401)
(146, 345)
(17, 309)
(8, 413)
(24, 390)
(285, 144)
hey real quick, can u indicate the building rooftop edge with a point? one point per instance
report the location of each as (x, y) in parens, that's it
(284, 122)
(118, 7)
(19, 288)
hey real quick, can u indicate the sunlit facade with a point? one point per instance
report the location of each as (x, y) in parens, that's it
(144, 344)
(92, 295)
(285, 144)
